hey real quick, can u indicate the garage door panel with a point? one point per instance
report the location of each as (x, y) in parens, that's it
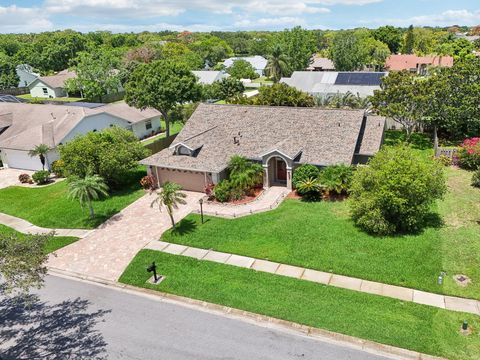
(189, 180)
(18, 159)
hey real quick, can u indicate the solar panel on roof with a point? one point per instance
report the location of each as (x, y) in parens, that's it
(353, 78)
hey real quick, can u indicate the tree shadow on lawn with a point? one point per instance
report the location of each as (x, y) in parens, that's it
(185, 226)
(37, 330)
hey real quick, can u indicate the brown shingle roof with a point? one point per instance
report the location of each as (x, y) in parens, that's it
(58, 80)
(323, 137)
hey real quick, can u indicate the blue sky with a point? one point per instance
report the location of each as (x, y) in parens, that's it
(208, 15)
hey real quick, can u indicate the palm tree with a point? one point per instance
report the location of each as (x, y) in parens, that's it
(237, 164)
(170, 196)
(277, 65)
(41, 151)
(86, 190)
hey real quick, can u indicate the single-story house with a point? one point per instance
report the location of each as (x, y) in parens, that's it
(26, 75)
(23, 126)
(465, 36)
(319, 83)
(259, 63)
(51, 86)
(280, 138)
(416, 64)
(319, 63)
(208, 77)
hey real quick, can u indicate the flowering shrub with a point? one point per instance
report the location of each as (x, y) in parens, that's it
(469, 154)
(25, 179)
(209, 190)
(148, 182)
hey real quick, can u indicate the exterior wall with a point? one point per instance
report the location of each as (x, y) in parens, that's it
(36, 90)
(140, 130)
(19, 159)
(189, 180)
(95, 123)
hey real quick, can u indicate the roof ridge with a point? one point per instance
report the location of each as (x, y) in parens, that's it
(312, 108)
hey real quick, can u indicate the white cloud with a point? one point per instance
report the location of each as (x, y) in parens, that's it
(269, 22)
(446, 18)
(15, 19)
(282, 8)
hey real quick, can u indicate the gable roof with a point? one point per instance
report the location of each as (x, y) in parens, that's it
(332, 82)
(411, 61)
(257, 62)
(57, 80)
(322, 63)
(311, 135)
(209, 76)
(32, 124)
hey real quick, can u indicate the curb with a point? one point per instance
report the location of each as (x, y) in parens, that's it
(256, 319)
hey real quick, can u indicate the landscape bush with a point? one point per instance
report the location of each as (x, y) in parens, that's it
(311, 189)
(148, 182)
(336, 179)
(111, 153)
(469, 154)
(223, 191)
(444, 160)
(476, 179)
(57, 168)
(41, 177)
(395, 192)
(25, 179)
(303, 173)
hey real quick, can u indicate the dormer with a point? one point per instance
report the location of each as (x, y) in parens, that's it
(185, 150)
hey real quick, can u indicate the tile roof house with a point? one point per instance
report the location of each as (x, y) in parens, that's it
(280, 138)
(416, 64)
(23, 126)
(51, 86)
(208, 77)
(259, 63)
(319, 83)
(319, 63)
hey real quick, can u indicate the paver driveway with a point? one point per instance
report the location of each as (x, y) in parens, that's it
(9, 177)
(108, 250)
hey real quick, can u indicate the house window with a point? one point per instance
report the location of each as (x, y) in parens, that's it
(45, 91)
(148, 124)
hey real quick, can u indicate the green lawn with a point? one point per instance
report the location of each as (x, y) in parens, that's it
(389, 321)
(64, 99)
(174, 129)
(50, 207)
(53, 243)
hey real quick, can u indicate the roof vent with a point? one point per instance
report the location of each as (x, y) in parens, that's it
(236, 141)
(53, 116)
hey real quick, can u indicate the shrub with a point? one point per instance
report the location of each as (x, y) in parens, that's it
(111, 153)
(148, 182)
(469, 154)
(310, 188)
(444, 160)
(57, 168)
(244, 175)
(476, 179)
(223, 191)
(209, 190)
(41, 177)
(25, 179)
(336, 178)
(394, 193)
(303, 173)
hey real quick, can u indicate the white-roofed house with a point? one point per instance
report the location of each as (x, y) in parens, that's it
(23, 126)
(259, 63)
(208, 77)
(51, 86)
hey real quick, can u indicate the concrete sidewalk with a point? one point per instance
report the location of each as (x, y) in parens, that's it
(25, 227)
(371, 287)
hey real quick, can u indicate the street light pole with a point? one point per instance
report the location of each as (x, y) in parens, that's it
(201, 208)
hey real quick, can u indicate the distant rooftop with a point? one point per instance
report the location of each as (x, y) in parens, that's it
(409, 62)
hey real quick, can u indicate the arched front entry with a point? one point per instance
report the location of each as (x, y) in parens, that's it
(277, 172)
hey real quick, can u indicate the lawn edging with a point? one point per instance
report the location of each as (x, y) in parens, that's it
(257, 319)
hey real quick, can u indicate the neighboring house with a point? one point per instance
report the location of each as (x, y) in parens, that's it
(319, 63)
(320, 83)
(280, 138)
(23, 126)
(259, 63)
(208, 77)
(465, 36)
(416, 64)
(26, 75)
(51, 86)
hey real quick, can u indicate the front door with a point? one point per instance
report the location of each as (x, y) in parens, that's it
(281, 170)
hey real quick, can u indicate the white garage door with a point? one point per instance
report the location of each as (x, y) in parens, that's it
(18, 159)
(189, 180)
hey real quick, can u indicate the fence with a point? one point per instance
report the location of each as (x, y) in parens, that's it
(448, 152)
(15, 91)
(160, 144)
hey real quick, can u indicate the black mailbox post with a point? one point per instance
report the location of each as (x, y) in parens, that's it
(153, 268)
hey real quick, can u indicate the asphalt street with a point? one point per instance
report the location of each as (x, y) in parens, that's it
(79, 320)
